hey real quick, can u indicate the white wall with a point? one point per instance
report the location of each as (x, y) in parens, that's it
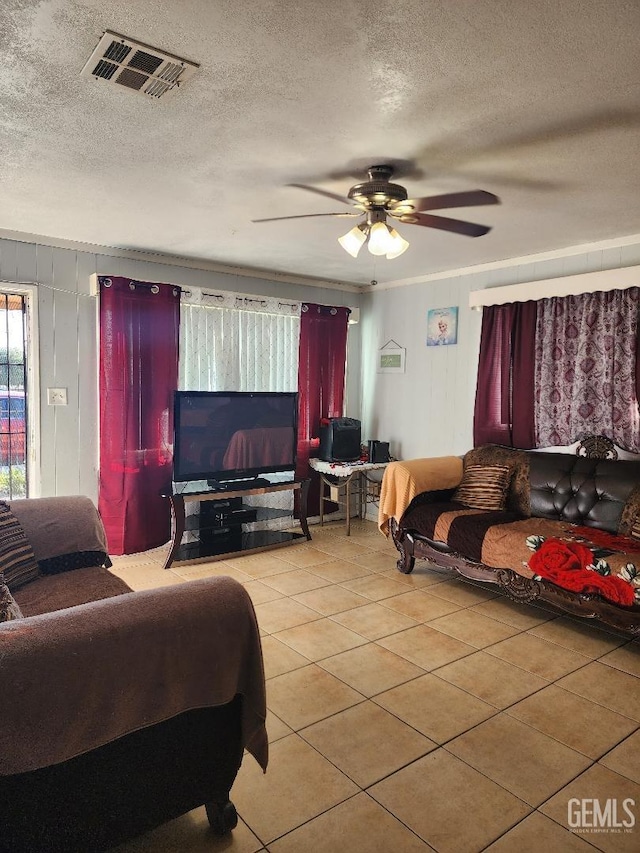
(428, 410)
(67, 328)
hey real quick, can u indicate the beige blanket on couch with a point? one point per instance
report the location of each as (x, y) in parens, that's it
(76, 679)
(402, 481)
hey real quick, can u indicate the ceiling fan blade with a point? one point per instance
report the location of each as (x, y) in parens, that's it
(325, 193)
(303, 216)
(456, 226)
(460, 199)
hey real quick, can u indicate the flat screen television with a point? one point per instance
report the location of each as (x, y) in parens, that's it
(222, 436)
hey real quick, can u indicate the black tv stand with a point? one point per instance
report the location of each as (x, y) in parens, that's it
(224, 525)
(237, 485)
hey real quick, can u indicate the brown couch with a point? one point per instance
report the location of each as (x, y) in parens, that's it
(120, 709)
(567, 533)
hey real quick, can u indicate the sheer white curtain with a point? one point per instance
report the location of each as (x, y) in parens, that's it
(235, 343)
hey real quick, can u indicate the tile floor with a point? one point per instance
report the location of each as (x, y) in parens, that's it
(419, 712)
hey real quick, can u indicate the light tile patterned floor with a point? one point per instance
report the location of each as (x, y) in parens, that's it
(416, 712)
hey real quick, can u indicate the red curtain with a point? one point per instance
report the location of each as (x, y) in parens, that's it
(321, 372)
(139, 328)
(505, 393)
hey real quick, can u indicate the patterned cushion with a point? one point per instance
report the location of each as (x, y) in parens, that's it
(17, 561)
(518, 462)
(635, 529)
(8, 606)
(483, 487)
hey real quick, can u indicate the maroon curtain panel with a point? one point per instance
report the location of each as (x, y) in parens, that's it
(139, 329)
(505, 392)
(321, 372)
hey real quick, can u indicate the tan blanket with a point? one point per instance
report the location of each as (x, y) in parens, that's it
(402, 481)
(79, 678)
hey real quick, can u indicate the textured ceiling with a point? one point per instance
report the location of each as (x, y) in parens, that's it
(537, 101)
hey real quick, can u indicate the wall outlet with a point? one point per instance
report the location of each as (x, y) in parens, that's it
(57, 396)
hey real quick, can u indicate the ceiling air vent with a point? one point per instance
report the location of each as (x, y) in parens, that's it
(129, 63)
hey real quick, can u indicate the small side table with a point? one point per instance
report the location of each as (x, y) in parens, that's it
(338, 477)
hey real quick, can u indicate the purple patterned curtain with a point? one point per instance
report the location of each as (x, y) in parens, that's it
(586, 378)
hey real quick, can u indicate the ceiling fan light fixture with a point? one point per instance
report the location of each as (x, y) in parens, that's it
(400, 245)
(353, 240)
(380, 240)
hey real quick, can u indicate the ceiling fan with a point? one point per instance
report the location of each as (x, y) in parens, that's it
(377, 199)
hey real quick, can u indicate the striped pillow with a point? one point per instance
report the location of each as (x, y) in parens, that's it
(9, 609)
(483, 487)
(17, 560)
(635, 530)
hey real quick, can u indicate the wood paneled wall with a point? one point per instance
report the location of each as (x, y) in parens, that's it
(67, 333)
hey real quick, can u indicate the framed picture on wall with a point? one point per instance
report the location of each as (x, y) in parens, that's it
(442, 327)
(391, 359)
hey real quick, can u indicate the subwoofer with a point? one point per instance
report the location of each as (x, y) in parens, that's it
(340, 440)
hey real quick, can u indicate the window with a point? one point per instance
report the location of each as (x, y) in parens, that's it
(239, 344)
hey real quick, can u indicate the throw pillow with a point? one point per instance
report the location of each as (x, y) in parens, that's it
(17, 560)
(483, 487)
(518, 462)
(9, 609)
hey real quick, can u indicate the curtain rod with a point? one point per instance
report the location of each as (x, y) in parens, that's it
(220, 297)
(154, 288)
(144, 285)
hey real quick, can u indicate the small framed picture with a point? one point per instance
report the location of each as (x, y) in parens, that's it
(442, 327)
(391, 360)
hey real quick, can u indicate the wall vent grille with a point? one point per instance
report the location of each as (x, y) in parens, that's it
(137, 66)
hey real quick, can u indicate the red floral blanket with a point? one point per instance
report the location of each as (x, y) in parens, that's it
(573, 566)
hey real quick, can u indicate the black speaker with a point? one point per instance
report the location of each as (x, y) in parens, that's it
(340, 440)
(378, 451)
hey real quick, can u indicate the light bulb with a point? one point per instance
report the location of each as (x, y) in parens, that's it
(353, 241)
(379, 239)
(399, 246)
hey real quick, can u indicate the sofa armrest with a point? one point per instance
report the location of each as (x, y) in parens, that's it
(402, 481)
(79, 678)
(60, 525)
(435, 496)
